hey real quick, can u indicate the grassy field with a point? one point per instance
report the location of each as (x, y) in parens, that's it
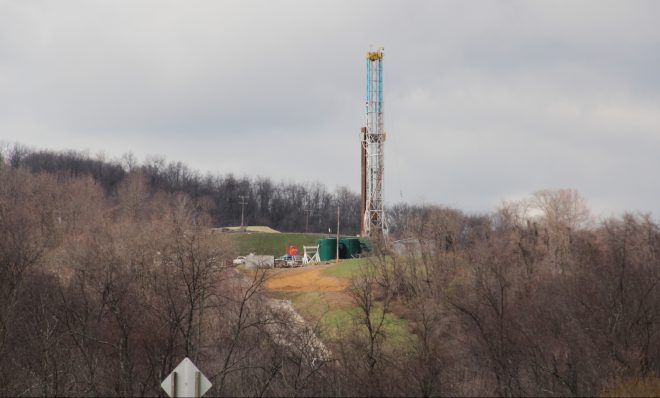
(337, 315)
(272, 243)
(320, 301)
(396, 330)
(346, 268)
(269, 243)
(333, 311)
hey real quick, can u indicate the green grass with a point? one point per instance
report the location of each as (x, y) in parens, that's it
(272, 244)
(346, 268)
(309, 304)
(354, 267)
(337, 315)
(339, 318)
(335, 320)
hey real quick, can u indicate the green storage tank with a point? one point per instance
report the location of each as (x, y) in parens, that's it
(351, 247)
(365, 246)
(327, 249)
(343, 253)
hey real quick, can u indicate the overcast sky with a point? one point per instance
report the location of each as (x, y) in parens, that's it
(484, 100)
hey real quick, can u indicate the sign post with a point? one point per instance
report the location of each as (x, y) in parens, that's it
(186, 381)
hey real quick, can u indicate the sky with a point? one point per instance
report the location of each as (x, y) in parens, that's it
(485, 101)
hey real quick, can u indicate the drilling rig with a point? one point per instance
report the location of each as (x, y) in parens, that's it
(372, 139)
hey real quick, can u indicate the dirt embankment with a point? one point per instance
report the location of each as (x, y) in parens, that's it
(307, 279)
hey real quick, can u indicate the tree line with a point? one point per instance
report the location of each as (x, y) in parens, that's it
(536, 299)
(284, 206)
(104, 288)
(104, 296)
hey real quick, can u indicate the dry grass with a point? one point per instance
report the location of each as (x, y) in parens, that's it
(307, 279)
(647, 387)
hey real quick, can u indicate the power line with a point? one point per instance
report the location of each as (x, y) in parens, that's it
(307, 214)
(242, 202)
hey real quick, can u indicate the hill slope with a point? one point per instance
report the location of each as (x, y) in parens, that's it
(272, 243)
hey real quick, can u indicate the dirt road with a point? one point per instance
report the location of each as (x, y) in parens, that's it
(306, 279)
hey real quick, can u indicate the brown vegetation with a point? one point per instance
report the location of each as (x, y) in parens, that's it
(281, 206)
(105, 295)
(103, 292)
(532, 301)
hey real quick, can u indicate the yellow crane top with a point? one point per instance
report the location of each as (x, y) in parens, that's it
(375, 55)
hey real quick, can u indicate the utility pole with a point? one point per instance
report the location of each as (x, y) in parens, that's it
(337, 233)
(307, 213)
(243, 202)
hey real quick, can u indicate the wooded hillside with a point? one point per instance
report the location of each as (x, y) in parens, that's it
(107, 280)
(278, 205)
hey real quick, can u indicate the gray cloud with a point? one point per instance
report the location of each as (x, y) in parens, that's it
(485, 101)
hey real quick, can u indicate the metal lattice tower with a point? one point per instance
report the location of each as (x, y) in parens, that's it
(372, 141)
